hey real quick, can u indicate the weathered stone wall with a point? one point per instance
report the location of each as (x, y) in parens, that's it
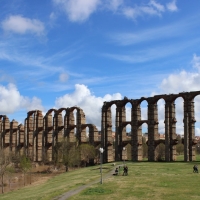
(40, 133)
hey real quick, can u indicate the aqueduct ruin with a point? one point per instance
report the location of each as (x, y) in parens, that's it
(39, 134)
(152, 122)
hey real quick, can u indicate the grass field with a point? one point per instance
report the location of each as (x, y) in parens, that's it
(146, 180)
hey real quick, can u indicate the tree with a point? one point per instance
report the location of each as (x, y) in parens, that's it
(25, 165)
(5, 161)
(179, 148)
(67, 153)
(88, 153)
(160, 152)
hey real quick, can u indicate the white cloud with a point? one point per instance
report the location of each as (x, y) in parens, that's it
(184, 81)
(172, 6)
(11, 100)
(90, 104)
(22, 25)
(63, 77)
(196, 62)
(78, 10)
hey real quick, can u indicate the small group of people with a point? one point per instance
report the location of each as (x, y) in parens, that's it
(125, 171)
(195, 169)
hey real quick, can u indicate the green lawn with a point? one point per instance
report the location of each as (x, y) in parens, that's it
(146, 180)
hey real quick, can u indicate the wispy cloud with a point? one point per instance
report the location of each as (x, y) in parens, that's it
(171, 6)
(22, 25)
(77, 10)
(80, 10)
(174, 30)
(152, 53)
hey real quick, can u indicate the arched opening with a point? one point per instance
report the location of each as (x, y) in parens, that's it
(179, 103)
(161, 118)
(87, 133)
(160, 148)
(144, 115)
(144, 142)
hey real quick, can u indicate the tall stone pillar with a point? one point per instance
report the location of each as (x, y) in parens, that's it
(81, 133)
(106, 134)
(191, 129)
(13, 136)
(103, 131)
(20, 140)
(186, 119)
(167, 131)
(109, 139)
(120, 132)
(152, 128)
(172, 126)
(136, 132)
(70, 127)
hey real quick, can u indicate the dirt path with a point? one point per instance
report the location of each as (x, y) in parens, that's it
(79, 189)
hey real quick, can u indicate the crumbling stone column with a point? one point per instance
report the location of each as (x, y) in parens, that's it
(103, 131)
(118, 132)
(107, 134)
(20, 140)
(69, 131)
(13, 136)
(5, 132)
(81, 133)
(170, 131)
(37, 137)
(189, 130)
(29, 134)
(48, 135)
(152, 128)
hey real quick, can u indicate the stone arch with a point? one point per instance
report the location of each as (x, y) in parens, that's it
(49, 132)
(189, 125)
(106, 130)
(20, 142)
(34, 134)
(80, 134)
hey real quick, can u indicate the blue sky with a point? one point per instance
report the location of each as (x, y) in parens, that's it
(61, 53)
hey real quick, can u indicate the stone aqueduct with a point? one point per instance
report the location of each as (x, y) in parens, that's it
(38, 136)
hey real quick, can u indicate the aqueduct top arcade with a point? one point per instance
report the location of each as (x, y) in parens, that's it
(152, 123)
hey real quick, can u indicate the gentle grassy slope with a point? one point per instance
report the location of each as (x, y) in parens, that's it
(146, 180)
(57, 185)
